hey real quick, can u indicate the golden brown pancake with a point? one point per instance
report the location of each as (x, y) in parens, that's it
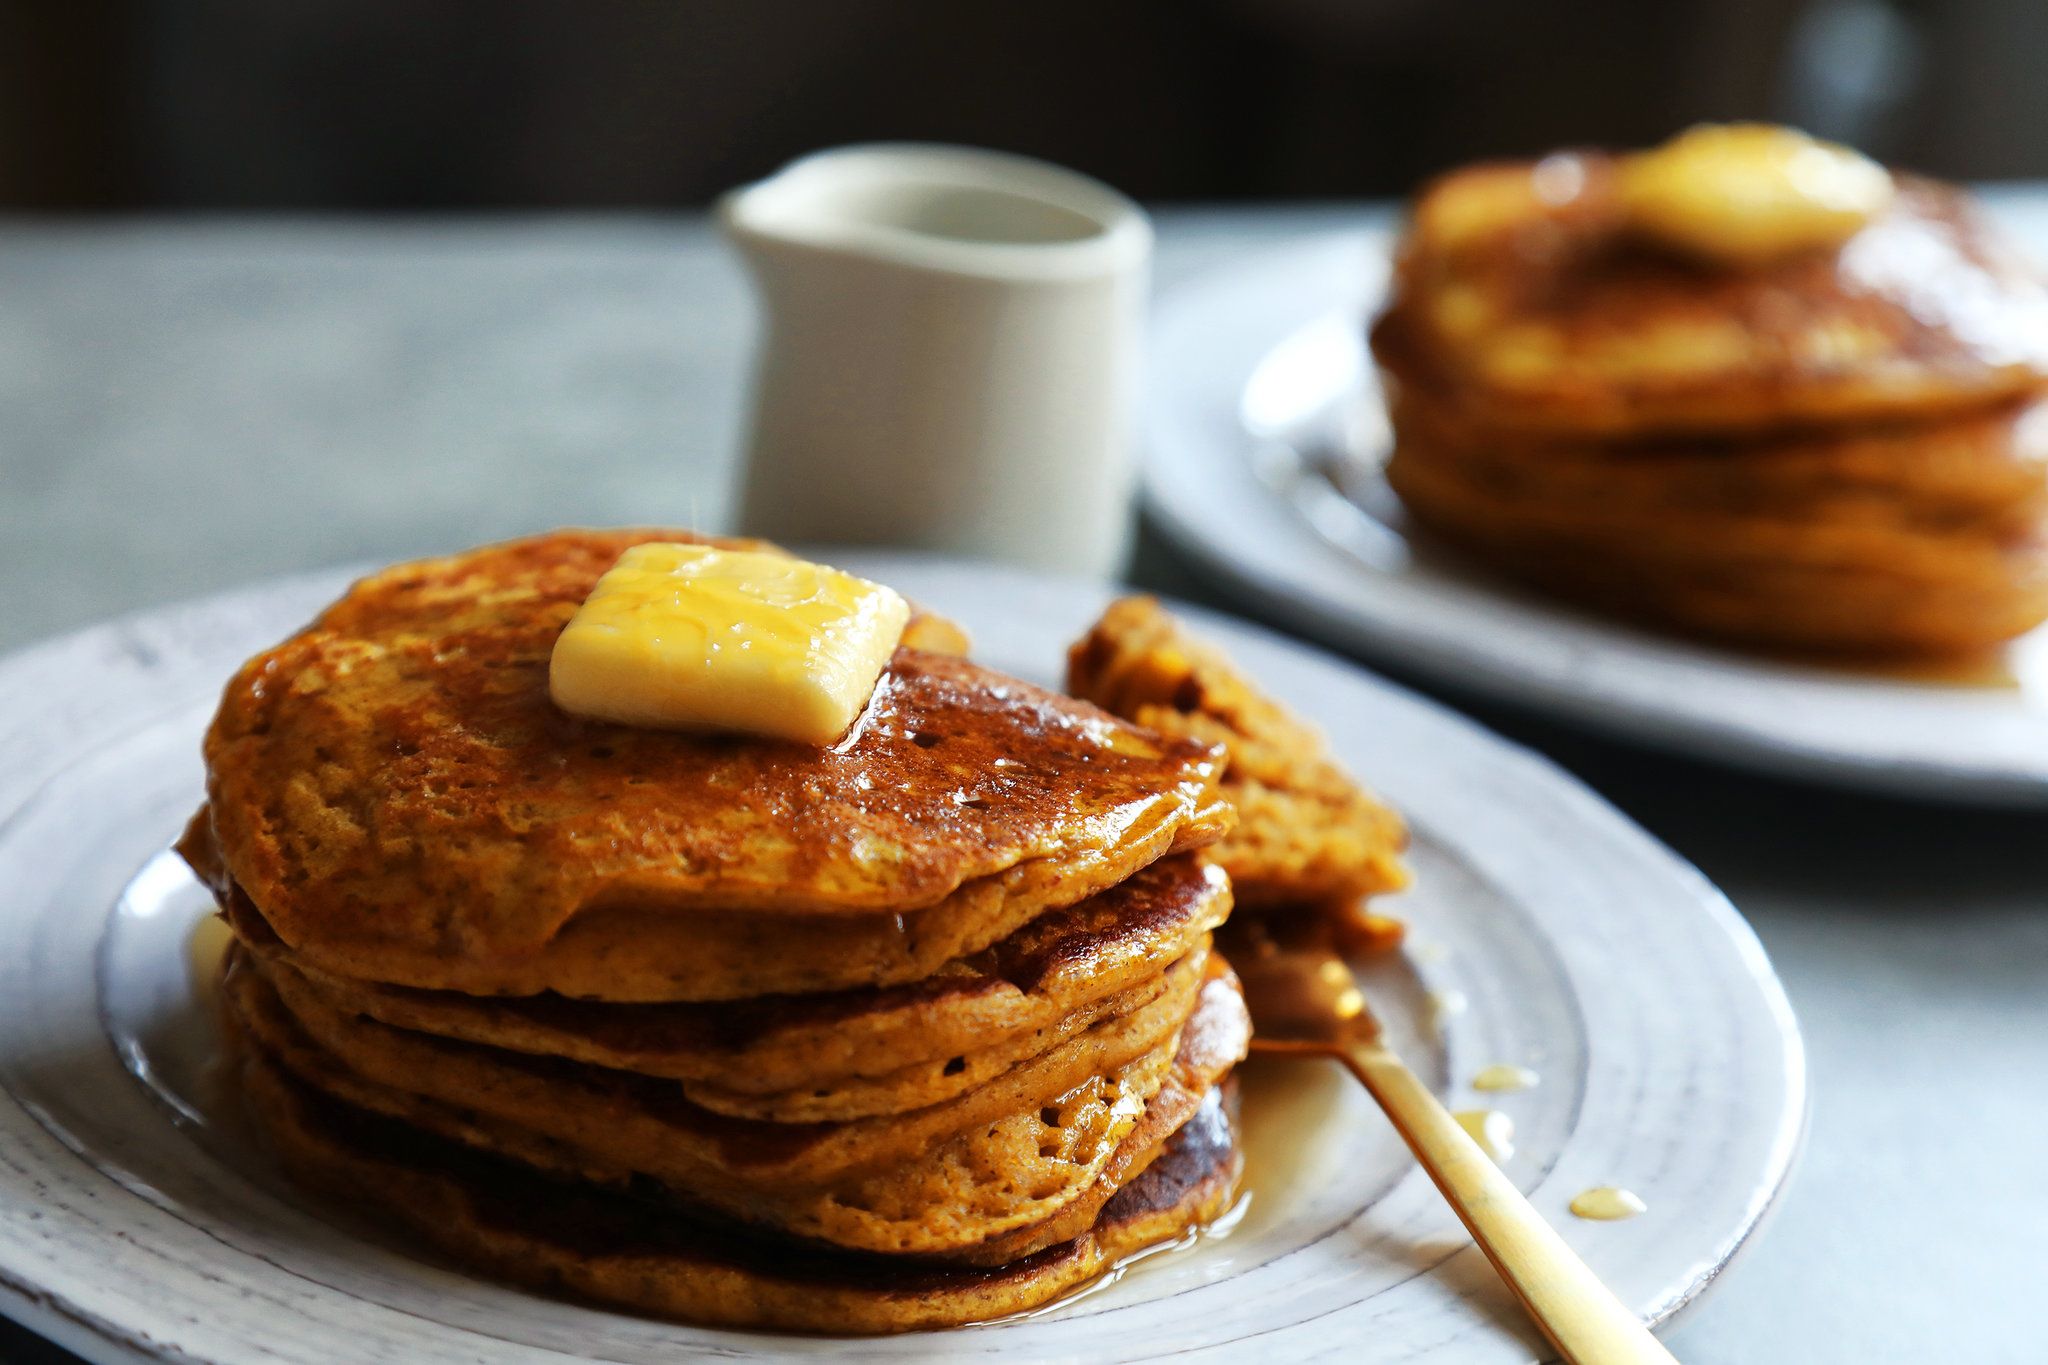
(1306, 831)
(1879, 541)
(643, 1125)
(559, 1237)
(1524, 289)
(999, 1161)
(1803, 610)
(1854, 539)
(1836, 452)
(396, 794)
(1985, 469)
(849, 1054)
(1215, 1040)
(919, 1027)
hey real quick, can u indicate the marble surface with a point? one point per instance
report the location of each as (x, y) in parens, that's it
(192, 404)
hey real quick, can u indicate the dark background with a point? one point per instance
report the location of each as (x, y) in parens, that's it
(428, 104)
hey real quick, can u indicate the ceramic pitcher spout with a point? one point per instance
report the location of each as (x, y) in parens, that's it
(948, 353)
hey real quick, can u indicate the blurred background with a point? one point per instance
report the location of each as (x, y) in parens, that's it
(110, 105)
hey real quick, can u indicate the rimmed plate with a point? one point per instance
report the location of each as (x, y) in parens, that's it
(1262, 423)
(137, 1222)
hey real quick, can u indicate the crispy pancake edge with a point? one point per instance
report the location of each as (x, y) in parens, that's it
(555, 1239)
(842, 1211)
(1059, 963)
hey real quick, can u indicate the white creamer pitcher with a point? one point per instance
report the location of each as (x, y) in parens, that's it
(949, 354)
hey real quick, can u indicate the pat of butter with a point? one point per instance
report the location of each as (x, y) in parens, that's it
(687, 637)
(1746, 194)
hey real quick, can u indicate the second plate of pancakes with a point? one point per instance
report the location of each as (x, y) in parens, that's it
(1265, 429)
(1546, 933)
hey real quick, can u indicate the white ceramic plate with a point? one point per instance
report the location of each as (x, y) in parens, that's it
(136, 1222)
(1263, 427)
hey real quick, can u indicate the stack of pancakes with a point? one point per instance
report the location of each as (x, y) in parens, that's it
(1308, 839)
(1839, 450)
(919, 1029)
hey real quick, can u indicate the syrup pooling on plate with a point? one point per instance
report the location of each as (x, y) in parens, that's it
(1309, 1128)
(1154, 1258)
(160, 960)
(1607, 1203)
(1503, 1076)
(1295, 1112)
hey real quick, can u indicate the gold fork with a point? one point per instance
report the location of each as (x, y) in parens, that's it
(1304, 1000)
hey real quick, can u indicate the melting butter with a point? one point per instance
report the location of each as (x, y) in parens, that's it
(1747, 194)
(1505, 1076)
(691, 637)
(1606, 1203)
(1491, 1129)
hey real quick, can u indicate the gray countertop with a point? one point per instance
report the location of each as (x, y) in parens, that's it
(191, 404)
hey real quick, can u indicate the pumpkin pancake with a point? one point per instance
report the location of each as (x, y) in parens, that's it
(1213, 1043)
(395, 793)
(1306, 832)
(644, 1125)
(1843, 565)
(917, 1028)
(1860, 535)
(1525, 290)
(1985, 469)
(559, 1237)
(1005, 1158)
(1804, 610)
(846, 1054)
(1834, 448)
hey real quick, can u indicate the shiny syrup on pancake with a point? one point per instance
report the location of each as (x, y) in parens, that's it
(1287, 1108)
(1155, 1257)
(1152, 1257)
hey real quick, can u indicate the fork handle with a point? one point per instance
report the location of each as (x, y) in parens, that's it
(1580, 1316)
